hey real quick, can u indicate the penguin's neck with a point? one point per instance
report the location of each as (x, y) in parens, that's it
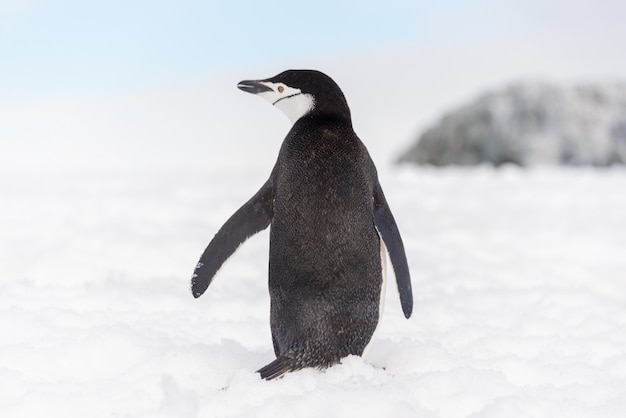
(317, 118)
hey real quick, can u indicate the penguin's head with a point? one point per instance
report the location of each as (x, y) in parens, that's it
(300, 93)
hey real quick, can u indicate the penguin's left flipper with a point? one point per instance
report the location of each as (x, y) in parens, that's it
(254, 216)
(388, 230)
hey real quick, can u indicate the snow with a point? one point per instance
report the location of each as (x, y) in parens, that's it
(519, 281)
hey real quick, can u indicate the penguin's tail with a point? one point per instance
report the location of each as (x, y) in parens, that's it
(278, 368)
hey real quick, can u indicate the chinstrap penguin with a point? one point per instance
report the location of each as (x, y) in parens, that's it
(327, 213)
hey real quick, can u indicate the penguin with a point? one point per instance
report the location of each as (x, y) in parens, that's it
(330, 230)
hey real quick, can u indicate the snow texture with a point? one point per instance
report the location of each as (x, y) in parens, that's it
(519, 281)
(531, 124)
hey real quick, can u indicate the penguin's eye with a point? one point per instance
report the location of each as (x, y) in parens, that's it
(281, 89)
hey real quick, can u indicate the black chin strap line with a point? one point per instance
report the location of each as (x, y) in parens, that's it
(286, 97)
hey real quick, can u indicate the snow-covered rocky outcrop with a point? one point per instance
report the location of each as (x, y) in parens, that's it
(531, 124)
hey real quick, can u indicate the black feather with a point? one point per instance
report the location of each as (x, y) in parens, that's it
(254, 216)
(277, 368)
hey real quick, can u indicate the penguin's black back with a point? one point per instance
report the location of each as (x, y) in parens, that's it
(325, 266)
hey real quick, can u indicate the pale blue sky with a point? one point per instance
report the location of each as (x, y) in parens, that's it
(56, 47)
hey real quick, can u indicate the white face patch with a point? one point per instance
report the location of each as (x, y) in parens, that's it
(291, 101)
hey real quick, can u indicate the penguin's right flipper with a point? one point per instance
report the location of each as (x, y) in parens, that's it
(254, 216)
(386, 226)
(277, 368)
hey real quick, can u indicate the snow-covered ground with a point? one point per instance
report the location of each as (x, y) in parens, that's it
(519, 282)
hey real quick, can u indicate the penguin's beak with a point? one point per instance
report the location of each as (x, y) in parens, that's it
(253, 86)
